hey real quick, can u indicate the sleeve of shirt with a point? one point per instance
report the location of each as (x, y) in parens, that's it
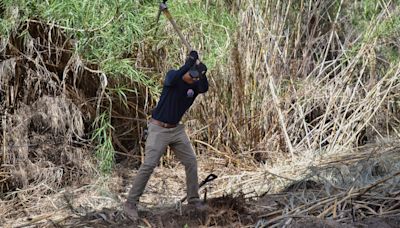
(203, 84)
(174, 76)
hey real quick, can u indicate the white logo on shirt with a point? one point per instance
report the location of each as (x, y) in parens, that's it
(190, 93)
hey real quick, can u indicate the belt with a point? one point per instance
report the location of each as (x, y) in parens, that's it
(162, 124)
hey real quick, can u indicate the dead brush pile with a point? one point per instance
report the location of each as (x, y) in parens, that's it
(51, 100)
(349, 188)
(44, 132)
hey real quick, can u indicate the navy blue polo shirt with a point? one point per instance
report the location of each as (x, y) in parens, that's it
(177, 95)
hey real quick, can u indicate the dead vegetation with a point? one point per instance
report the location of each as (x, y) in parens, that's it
(49, 100)
(44, 143)
(305, 81)
(358, 201)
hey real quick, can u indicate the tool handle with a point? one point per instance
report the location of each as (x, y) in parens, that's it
(209, 178)
(169, 16)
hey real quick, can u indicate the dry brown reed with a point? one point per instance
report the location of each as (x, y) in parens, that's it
(43, 127)
(50, 97)
(300, 79)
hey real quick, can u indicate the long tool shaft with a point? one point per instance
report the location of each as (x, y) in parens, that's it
(158, 16)
(171, 19)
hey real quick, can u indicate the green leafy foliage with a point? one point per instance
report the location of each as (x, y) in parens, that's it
(209, 28)
(102, 135)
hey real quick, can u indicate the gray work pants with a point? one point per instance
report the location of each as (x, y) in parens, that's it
(156, 144)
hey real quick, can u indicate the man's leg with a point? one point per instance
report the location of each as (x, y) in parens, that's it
(156, 145)
(184, 152)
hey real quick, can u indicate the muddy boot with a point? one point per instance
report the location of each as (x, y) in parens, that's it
(198, 205)
(131, 211)
(198, 210)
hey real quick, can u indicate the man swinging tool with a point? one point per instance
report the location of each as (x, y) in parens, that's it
(180, 89)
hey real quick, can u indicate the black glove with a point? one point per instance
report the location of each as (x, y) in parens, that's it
(192, 58)
(202, 69)
(194, 55)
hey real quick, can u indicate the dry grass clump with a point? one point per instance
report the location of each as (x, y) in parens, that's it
(43, 133)
(50, 98)
(39, 154)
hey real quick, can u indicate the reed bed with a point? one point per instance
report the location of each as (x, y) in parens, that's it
(303, 77)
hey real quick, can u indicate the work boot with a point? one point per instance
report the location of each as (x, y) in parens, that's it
(198, 205)
(197, 210)
(131, 211)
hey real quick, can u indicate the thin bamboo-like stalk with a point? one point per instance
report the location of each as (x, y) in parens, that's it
(4, 126)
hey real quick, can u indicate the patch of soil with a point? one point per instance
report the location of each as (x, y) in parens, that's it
(374, 222)
(318, 223)
(219, 212)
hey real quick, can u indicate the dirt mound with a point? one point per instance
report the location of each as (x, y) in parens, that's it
(219, 212)
(224, 211)
(366, 223)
